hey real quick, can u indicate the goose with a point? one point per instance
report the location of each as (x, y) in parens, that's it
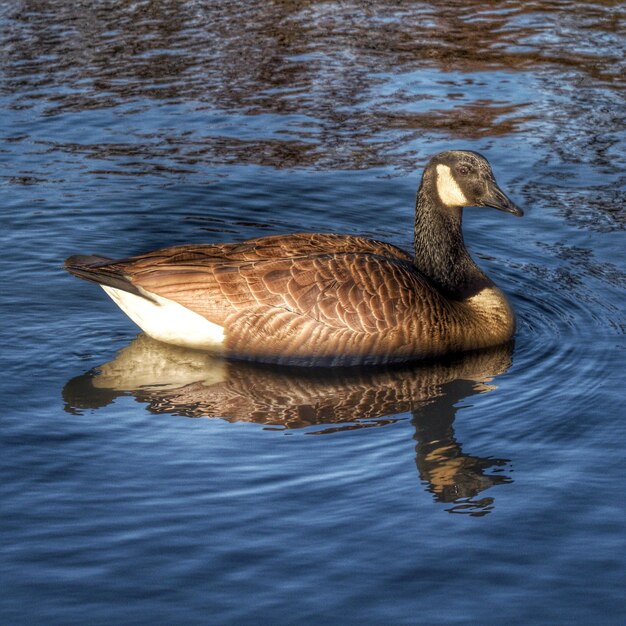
(326, 299)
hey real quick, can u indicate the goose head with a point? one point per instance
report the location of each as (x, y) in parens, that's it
(461, 178)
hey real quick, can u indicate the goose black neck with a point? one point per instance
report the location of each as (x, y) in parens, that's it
(440, 252)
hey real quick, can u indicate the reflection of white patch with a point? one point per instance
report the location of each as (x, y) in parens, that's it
(167, 320)
(146, 363)
(448, 189)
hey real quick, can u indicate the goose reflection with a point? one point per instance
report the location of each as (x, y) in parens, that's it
(196, 384)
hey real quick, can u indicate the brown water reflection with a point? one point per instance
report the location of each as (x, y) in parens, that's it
(194, 384)
(329, 62)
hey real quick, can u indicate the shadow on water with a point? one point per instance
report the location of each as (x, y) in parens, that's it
(190, 383)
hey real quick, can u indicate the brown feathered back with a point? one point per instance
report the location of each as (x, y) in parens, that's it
(287, 298)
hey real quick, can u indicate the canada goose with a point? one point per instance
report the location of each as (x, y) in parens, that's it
(326, 299)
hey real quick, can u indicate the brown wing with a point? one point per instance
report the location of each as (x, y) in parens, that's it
(295, 297)
(340, 306)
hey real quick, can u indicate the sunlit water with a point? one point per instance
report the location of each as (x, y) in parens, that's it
(484, 489)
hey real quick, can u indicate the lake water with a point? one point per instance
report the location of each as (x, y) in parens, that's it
(147, 484)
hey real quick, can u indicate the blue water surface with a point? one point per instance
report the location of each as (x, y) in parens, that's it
(145, 484)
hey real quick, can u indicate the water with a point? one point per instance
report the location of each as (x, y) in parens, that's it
(483, 489)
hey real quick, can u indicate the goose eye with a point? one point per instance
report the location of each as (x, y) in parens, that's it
(463, 170)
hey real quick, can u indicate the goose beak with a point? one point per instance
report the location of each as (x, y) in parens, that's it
(497, 199)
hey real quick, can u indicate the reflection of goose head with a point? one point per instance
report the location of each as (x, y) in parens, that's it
(196, 384)
(453, 476)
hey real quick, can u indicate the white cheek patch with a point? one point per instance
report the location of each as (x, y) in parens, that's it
(448, 189)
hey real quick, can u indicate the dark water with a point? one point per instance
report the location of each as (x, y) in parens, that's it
(485, 489)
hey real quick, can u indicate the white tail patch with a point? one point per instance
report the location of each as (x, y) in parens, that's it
(168, 321)
(448, 189)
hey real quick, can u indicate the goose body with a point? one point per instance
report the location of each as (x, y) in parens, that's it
(311, 298)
